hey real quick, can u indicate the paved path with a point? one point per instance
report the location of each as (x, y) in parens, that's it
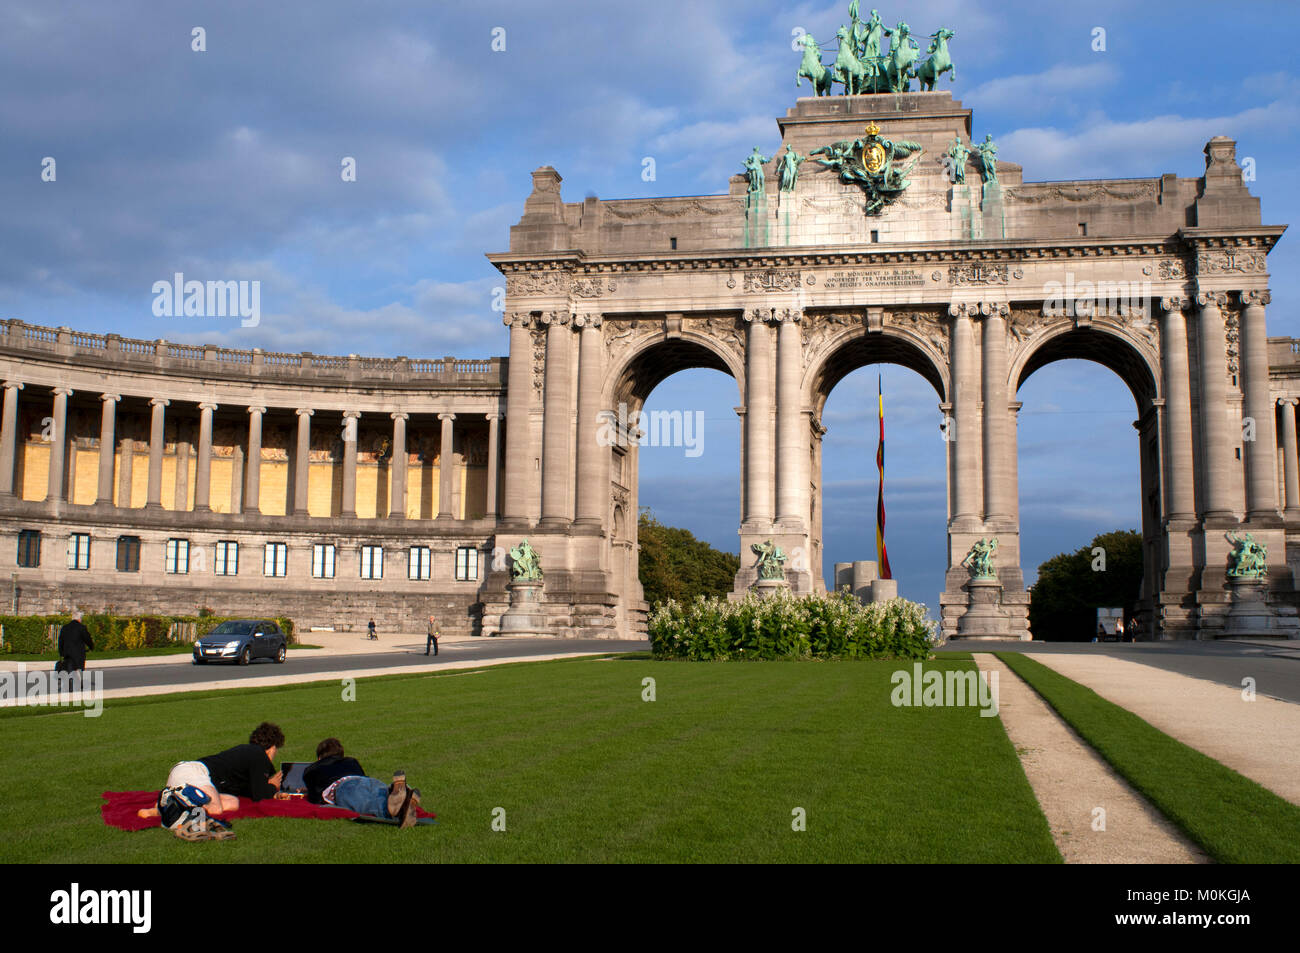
(1274, 664)
(1072, 781)
(1260, 738)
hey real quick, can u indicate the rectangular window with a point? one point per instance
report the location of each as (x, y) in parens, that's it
(178, 556)
(466, 563)
(79, 551)
(276, 560)
(227, 561)
(128, 554)
(421, 559)
(29, 548)
(322, 561)
(372, 562)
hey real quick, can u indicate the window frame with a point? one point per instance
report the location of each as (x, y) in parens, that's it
(78, 558)
(172, 565)
(27, 539)
(470, 563)
(319, 552)
(275, 556)
(131, 545)
(222, 560)
(419, 563)
(368, 562)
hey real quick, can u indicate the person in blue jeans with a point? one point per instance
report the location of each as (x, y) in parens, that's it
(336, 780)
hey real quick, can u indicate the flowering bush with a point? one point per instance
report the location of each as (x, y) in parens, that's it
(783, 626)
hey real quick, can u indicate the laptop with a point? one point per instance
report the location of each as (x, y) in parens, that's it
(292, 781)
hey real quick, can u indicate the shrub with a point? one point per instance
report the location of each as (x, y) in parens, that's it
(783, 626)
(26, 634)
(31, 634)
(134, 637)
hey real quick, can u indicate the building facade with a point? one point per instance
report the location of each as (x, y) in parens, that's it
(930, 253)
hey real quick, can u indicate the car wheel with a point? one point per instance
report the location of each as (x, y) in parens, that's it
(280, 655)
(244, 655)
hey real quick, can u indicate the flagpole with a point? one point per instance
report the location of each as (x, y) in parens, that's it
(882, 552)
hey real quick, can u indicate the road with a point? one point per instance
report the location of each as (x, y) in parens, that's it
(308, 661)
(1275, 667)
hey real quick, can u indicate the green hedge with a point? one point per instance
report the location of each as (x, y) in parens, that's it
(789, 627)
(30, 634)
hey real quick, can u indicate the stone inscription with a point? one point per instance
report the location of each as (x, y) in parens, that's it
(877, 278)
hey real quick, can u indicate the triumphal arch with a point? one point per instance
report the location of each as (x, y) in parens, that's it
(885, 227)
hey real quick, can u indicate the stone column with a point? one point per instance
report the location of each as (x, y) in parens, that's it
(397, 473)
(1013, 455)
(107, 447)
(9, 438)
(446, 468)
(302, 462)
(153, 496)
(1290, 463)
(1179, 471)
(593, 458)
(1217, 457)
(1261, 456)
(253, 466)
(557, 426)
(519, 385)
(966, 470)
(348, 506)
(58, 445)
(494, 440)
(997, 506)
(792, 423)
(203, 466)
(758, 418)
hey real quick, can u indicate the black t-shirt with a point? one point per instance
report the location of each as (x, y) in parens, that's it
(242, 770)
(321, 774)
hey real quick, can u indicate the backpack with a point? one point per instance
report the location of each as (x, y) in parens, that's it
(182, 811)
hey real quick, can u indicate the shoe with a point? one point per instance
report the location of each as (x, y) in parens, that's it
(397, 794)
(411, 809)
(219, 829)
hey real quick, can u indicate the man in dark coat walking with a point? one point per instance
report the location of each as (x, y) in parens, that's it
(74, 640)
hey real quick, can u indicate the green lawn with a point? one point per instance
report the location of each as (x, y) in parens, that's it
(585, 769)
(1234, 819)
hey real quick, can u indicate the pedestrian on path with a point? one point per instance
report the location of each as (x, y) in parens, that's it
(371, 629)
(432, 640)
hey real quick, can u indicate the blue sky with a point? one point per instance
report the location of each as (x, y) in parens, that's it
(225, 164)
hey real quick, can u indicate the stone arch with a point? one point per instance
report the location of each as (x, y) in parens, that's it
(855, 347)
(653, 358)
(1136, 362)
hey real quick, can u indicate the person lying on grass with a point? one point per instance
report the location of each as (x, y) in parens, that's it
(339, 781)
(225, 777)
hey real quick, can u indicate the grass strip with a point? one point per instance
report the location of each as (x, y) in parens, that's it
(1234, 819)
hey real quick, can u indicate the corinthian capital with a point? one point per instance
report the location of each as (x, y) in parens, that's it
(591, 319)
(518, 319)
(1217, 298)
(1257, 296)
(1173, 304)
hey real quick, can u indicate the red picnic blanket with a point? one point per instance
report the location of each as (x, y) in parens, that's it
(120, 807)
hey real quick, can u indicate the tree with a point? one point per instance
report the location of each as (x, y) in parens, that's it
(675, 565)
(1072, 586)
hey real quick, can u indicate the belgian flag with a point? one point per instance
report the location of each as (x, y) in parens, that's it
(882, 553)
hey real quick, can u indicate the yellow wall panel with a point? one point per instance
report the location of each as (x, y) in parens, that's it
(36, 471)
(223, 469)
(85, 485)
(323, 490)
(139, 479)
(274, 488)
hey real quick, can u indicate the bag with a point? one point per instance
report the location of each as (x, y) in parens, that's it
(182, 811)
(61, 665)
